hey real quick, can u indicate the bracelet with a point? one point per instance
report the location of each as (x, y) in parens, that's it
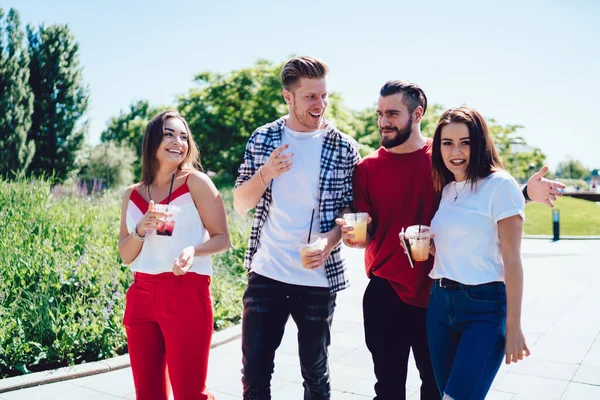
(136, 235)
(525, 194)
(260, 176)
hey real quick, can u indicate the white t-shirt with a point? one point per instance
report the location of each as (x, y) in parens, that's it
(466, 228)
(295, 195)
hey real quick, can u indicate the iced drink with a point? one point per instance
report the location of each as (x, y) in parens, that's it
(419, 242)
(166, 224)
(359, 222)
(316, 243)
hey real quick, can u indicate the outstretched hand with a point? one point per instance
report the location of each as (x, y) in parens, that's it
(542, 190)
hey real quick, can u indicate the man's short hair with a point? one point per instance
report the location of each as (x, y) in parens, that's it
(413, 94)
(302, 67)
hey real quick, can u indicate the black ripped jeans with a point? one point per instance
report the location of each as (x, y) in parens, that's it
(267, 306)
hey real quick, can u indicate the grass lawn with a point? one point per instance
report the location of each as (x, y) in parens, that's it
(577, 217)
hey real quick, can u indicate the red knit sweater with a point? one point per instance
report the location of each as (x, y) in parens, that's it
(389, 187)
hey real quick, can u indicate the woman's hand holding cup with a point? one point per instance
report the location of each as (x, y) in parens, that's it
(151, 220)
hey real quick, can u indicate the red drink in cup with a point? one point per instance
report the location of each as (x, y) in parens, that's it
(167, 224)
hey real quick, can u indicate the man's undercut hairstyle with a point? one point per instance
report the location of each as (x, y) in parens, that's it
(413, 97)
(302, 67)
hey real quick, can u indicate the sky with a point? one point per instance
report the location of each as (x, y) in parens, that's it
(531, 63)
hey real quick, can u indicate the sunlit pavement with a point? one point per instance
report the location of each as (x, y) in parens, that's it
(561, 320)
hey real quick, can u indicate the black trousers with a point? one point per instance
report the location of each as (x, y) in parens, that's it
(392, 328)
(267, 307)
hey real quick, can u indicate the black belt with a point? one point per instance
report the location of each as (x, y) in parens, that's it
(450, 284)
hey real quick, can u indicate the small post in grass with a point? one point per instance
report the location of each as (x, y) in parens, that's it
(555, 225)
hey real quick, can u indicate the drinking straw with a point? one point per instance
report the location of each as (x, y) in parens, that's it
(170, 189)
(310, 228)
(420, 213)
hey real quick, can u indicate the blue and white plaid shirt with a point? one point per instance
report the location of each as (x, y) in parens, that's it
(339, 157)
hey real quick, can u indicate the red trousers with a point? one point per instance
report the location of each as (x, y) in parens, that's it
(169, 323)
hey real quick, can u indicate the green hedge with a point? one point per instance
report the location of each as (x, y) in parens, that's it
(62, 283)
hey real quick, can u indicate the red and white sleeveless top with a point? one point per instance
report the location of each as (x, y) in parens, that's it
(158, 252)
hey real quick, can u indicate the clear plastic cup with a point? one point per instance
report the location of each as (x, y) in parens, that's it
(359, 222)
(316, 243)
(419, 241)
(167, 224)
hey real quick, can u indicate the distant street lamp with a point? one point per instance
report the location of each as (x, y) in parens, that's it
(531, 169)
(518, 146)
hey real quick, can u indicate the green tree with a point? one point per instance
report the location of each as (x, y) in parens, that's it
(517, 157)
(61, 99)
(572, 169)
(127, 129)
(110, 163)
(226, 108)
(16, 98)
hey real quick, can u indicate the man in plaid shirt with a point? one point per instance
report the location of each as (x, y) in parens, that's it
(295, 167)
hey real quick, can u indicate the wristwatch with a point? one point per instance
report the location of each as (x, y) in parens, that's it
(136, 235)
(525, 194)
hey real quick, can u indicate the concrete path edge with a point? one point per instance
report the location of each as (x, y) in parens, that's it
(562, 237)
(96, 367)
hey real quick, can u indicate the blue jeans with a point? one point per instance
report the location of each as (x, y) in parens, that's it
(267, 306)
(466, 328)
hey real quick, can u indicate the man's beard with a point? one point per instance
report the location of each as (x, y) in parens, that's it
(306, 120)
(399, 138)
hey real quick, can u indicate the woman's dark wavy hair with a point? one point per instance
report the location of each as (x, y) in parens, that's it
(483, 159)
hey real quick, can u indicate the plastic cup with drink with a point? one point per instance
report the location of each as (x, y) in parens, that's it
(316, 243)
(358, 221)
(418, 237)
(313, 243)
(166, 224)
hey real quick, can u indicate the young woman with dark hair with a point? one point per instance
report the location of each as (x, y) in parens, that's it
(474, 314)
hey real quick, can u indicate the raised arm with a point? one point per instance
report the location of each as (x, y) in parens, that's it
(255, 181)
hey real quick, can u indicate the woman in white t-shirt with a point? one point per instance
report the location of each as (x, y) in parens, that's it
(168, 310)
(474, 313)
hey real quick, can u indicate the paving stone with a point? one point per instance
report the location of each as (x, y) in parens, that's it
(580, 391)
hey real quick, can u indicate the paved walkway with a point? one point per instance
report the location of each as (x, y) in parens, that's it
(561, 319)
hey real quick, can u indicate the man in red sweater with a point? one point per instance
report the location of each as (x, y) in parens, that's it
(394, 185)
(391, 184)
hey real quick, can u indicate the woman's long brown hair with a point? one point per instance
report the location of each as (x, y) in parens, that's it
(483, 159)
